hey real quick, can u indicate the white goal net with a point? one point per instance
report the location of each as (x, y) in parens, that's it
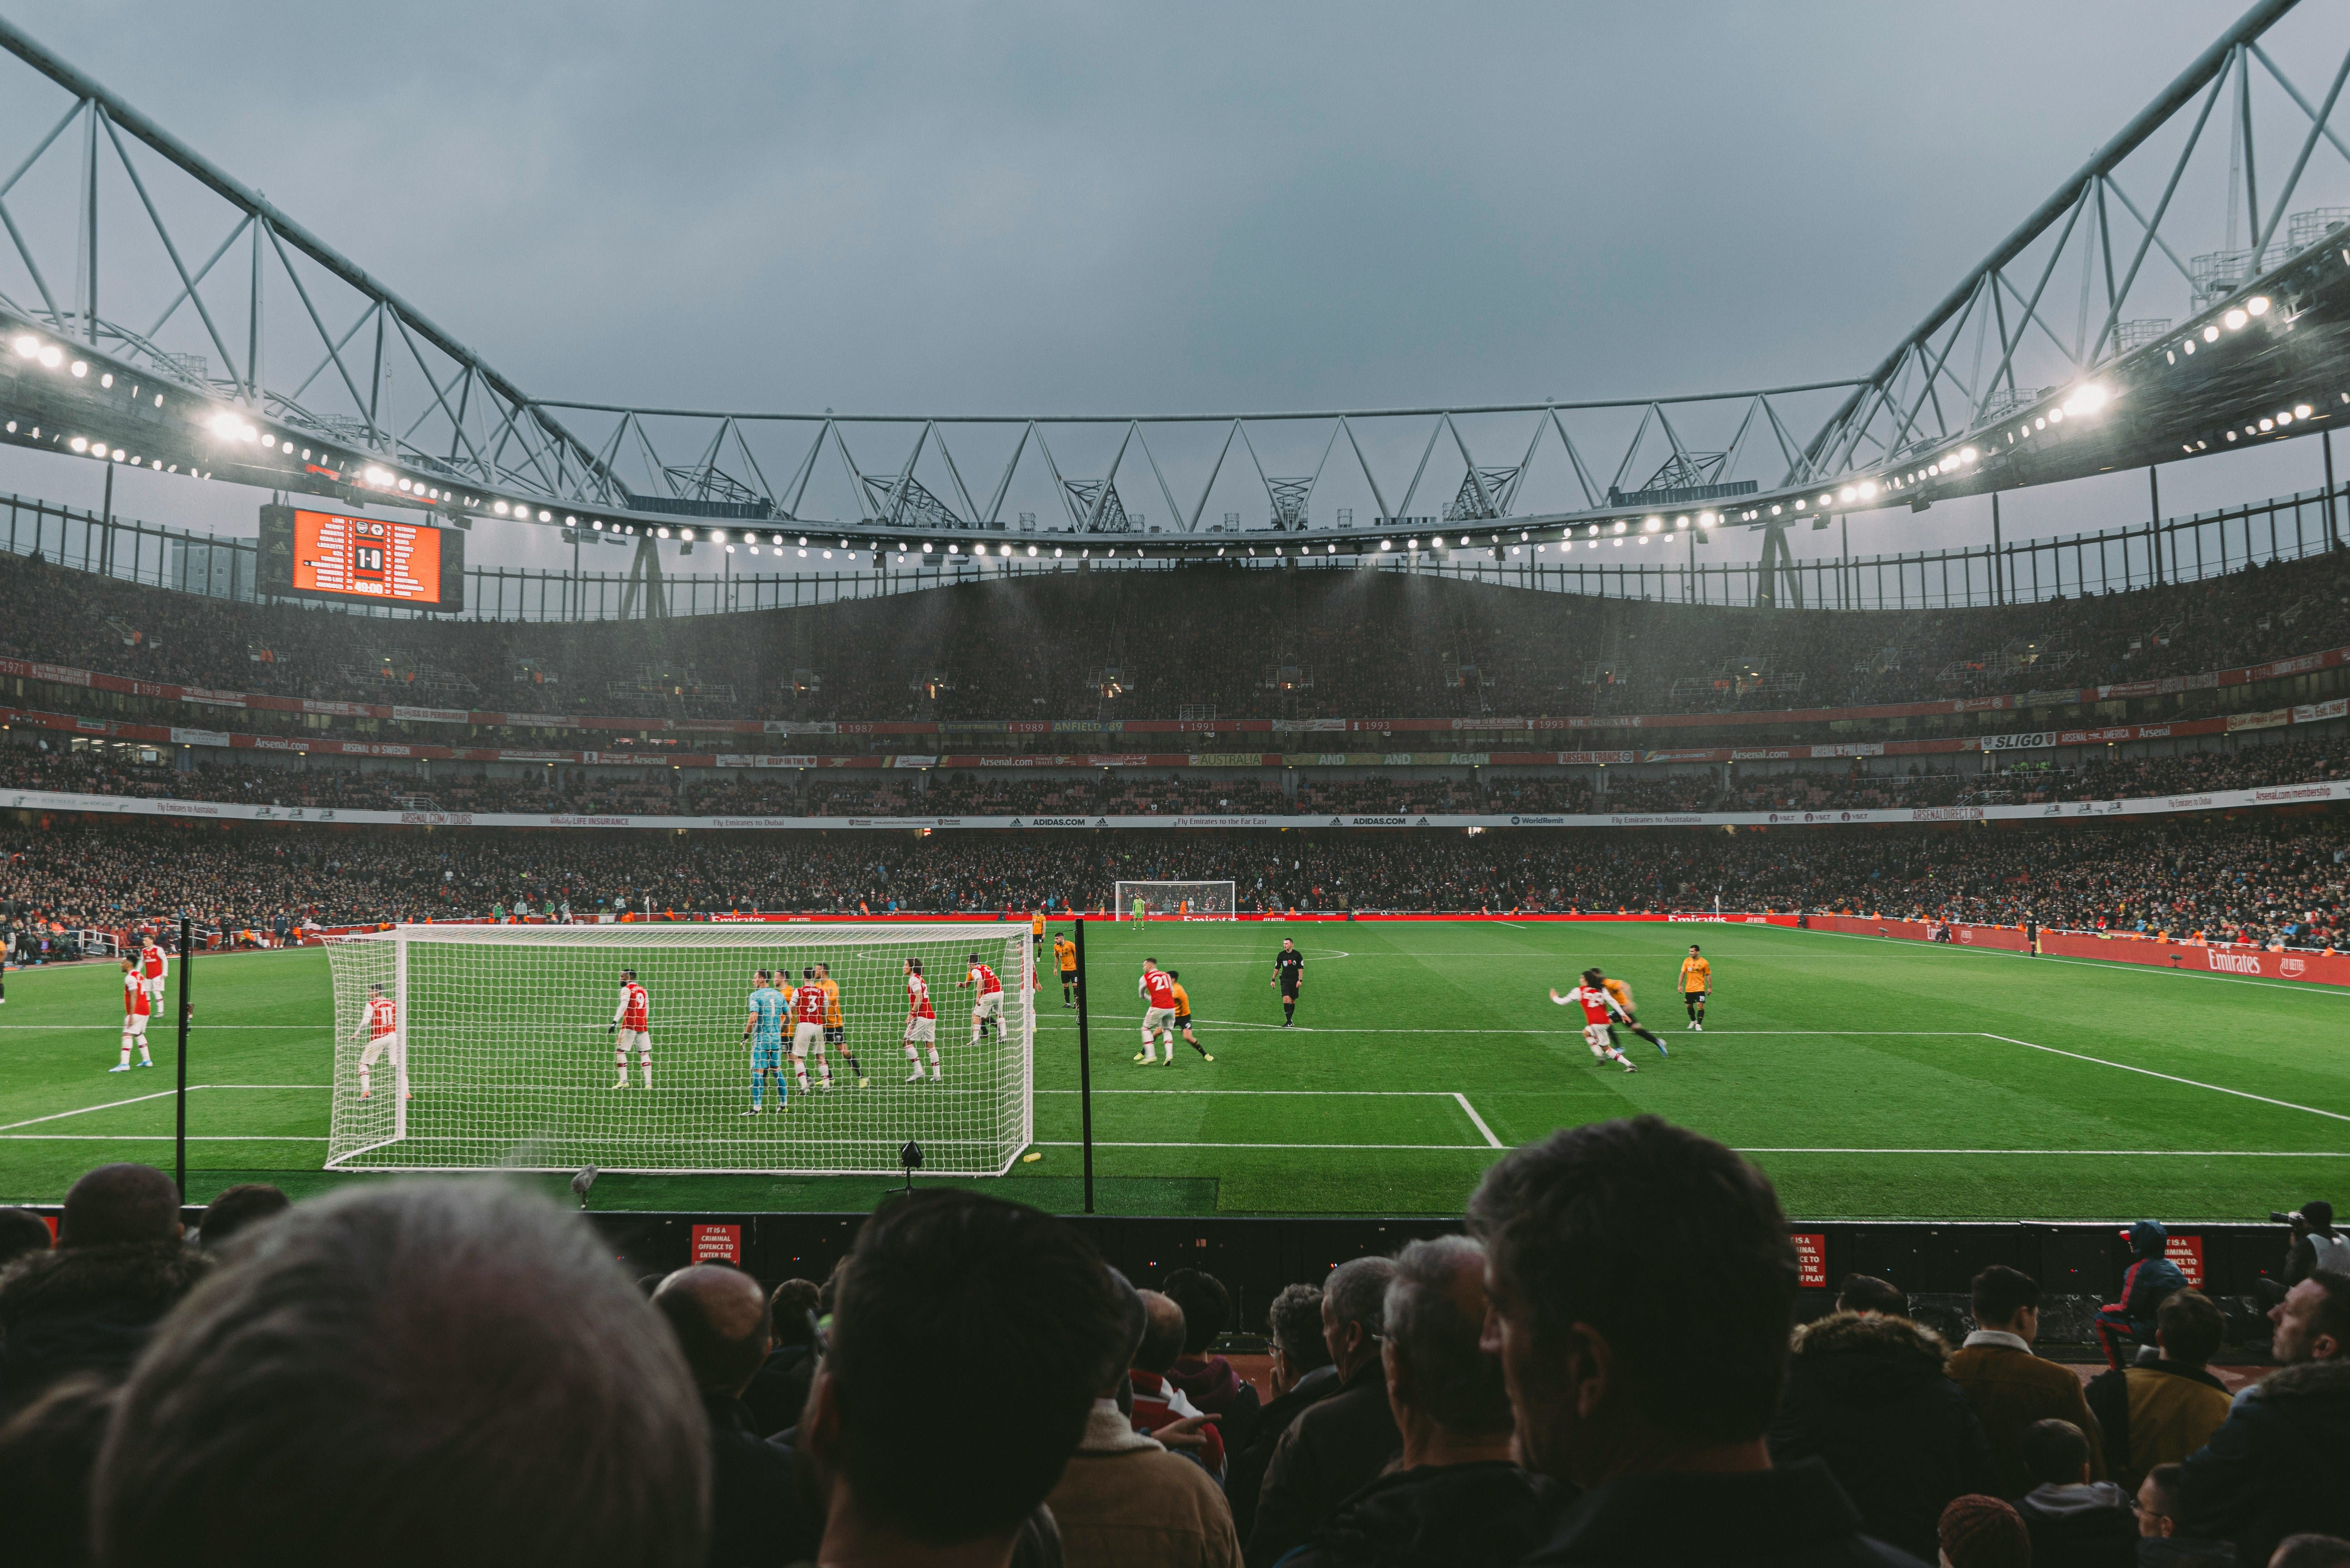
(498, 1049)
(1176, 900)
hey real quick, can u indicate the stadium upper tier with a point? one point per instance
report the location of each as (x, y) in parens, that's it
(1201, 647)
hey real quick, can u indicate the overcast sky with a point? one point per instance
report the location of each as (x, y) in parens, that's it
(1019, 208)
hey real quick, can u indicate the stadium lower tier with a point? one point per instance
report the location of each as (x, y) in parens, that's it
(2268, 876)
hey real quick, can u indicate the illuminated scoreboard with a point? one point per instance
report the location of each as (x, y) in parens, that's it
(326, 554)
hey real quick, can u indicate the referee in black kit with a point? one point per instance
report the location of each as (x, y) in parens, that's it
(1289, 976)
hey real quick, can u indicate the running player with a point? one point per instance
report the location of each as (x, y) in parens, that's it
(1597, 1008)
(762, 1030)
(153, 966)
(836, 1031)
(987, 1000)
(1697, 984)
(1037, 946)
(633, 1024)
(807, 1031)
(381, 1025)
(136, 1007)
(922, 1023)
(1289, 978)
(1622, 994)
(1065, 957)
(1183, 1019)
(1158, 993)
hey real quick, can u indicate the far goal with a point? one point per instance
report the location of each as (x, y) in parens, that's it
(1177, 902)
(504, 1045)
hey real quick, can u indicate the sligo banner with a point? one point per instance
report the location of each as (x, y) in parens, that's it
(237, 811)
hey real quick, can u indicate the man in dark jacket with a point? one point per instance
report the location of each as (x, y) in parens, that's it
(2075, 1522)
(1457, 1499)
(1867, 1395)
(2281, 1465)
(2149, 1277)
(723, 1324)
(1333, 1449)
(89, 1305)
(1302, 1378)
(1642, 1284)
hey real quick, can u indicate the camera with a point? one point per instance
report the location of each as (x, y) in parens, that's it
(2292, 1218)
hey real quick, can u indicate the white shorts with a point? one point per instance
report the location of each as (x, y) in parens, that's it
(989, 1005)
(155, 989)
(378, 1046)
(805, 1036)
(134, 1024)
(1595, 1036)
(638, 1040)
(1158, 1018)
(921, 1031)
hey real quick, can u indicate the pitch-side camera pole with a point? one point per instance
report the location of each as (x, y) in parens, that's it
(1085, 1069)
(180, 1139)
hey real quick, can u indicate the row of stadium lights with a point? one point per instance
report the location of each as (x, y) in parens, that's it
(48, 356)
(2235, 318)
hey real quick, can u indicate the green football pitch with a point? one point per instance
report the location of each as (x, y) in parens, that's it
(1871, 1078)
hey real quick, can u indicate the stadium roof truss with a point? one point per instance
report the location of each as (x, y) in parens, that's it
(2184, 279)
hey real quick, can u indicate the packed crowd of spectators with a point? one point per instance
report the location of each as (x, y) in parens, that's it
(1255, 645)
(1604, 1369)
(2274, 880)
(37, 763)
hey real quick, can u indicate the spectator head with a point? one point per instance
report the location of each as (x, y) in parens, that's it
(1162, 1334)
(21, 1231)
(1614, 1252)
(236, 1208)
(2310, 1552)
(462, 1353)
(2158, 1501)
(1294, 1325)
(2318, 1214)
(2007, 1301)
(2055, 1453)
(720, 1319)
(120, 1203)
(1353, 1312)
(1207, 1307)
(1439, 1372)
(789, 1306)
(937, 1283)
(1866, 1293)
(2312, 1322)
(47, 1451)
(2188, 1327)
(1979, 1531)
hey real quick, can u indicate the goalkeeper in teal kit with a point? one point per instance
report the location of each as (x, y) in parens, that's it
(763, 1031)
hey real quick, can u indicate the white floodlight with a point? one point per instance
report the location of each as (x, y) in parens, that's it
(2301, 410)
(52, 356)
(81, 367)
(2210, 335)
(2233, 320)
(26, 346)
(2258, 305)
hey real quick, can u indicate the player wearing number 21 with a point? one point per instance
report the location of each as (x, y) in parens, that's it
(1157, 989)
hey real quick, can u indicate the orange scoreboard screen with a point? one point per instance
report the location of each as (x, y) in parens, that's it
(366, 557)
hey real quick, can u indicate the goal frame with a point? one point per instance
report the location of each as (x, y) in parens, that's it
(1122, 900)
(1010, 1138)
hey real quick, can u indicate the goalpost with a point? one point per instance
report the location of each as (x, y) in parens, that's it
(1178, 901)
(504, 1055)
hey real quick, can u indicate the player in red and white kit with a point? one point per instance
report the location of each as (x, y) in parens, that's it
(810, 1005)
(381, 1025)
(1157, 989)
(1598, 1009)
(633, 1024)
(137, 1008)
(153, 967)
(922, 1023)
(987, 1005)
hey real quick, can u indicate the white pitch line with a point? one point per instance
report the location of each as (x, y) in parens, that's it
(193, 1026)
(2171, 1078)
(1099, 1143)
(1400, 1094)
(154, 1137)
(161, 1094)
(2121, 966)
(1473, 1117)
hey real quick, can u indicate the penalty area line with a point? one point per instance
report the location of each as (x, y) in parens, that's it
(2170, 1078)
(1100, 1143)
(2087, 1153)
(142, 1099)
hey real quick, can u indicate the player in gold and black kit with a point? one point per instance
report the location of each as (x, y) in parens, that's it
(1064, 956)
(1289, 978)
